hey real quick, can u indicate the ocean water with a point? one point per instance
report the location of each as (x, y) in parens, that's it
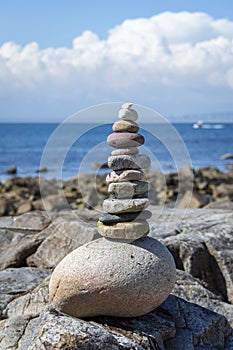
(74, 148)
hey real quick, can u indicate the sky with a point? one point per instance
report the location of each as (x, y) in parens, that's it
(60, 56)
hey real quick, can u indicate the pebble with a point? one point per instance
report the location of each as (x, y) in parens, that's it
(105, 277)
(124, 230)
(128, 189)
(107, 218)
(128, 114)
(126, 151)
(116, 206)
(120, 162)
(125, 175)
(127, 105)
(125, 125)
(125, 140)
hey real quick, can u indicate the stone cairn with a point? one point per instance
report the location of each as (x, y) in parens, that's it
(125, 273)
(124, 216)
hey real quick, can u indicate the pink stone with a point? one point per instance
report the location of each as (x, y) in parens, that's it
(125, 139)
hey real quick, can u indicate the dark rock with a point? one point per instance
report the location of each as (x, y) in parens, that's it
(12, 170)
(42, 170)
(107, 218)
(121, 162)
(193, 290)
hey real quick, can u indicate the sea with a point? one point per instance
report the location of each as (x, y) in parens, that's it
(66, 151)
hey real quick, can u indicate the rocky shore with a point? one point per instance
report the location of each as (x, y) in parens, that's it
(197, 315)
(205, 187)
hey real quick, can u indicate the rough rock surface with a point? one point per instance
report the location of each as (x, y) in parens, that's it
(176, 324)
(201, 243)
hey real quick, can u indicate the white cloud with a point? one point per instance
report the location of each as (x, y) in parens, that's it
(139, 57)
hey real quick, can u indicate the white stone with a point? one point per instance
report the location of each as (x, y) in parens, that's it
(127, 105)
(109, 278)
(128, 114)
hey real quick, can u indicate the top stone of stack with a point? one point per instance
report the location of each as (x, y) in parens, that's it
(127, 113)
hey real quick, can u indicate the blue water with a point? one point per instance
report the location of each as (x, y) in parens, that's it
(23, 144)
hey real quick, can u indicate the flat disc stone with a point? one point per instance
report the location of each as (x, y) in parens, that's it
(120, 162)
(107, 218)
(125, 140)
(125, 125)
(128, 189)
(116, 206)
(126, 151)
(124, 230)
(125, 175)
(108, 278)
(128, 114)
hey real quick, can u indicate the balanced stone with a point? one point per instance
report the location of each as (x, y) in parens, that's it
(124, 230)
(116, 206)
(125, 175)
(126, 151)
(120, 162)
(125, 125)
(128, 189)
(109, 219)
(128, 114)
(125, 139)
(105, 277)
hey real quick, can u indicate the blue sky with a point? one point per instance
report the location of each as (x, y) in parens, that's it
(57, 57)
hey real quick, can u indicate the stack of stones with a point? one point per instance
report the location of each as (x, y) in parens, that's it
(125, 217)
(125, 273)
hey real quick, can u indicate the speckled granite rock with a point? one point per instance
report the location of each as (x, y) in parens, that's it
(106, 277)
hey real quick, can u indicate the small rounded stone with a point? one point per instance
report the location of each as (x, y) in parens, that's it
(127, 105)
(125, 125)
(125, 175)
(128, 189)
(125, 140)
(125, 151)
(116, 206)
(124, 230)
(128, 114)
(120, 162)
(109, 219)
(108, 278)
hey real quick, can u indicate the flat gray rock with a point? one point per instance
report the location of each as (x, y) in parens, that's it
(128, 189)
(68, 234)
(117, 206)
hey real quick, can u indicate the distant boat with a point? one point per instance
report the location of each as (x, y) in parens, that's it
(198, 124)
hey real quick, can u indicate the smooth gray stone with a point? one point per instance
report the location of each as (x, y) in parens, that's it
(128, 189)
(126, 151)
(130, 231)
(105, 277)
(125, 175)
(120, 162)
(115, 206)
(107, 218)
